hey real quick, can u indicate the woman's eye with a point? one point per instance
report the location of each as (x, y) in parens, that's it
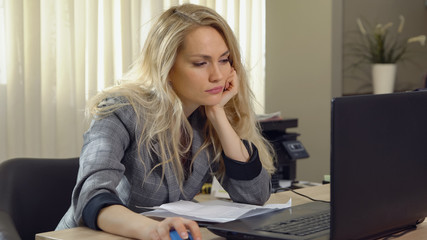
(199, 64)
(225, 60)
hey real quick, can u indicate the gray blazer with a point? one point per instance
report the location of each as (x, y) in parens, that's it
(109, 163)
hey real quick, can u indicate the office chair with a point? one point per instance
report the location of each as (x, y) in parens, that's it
(35, 194)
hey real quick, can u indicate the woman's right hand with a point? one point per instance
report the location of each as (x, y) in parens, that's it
(181, 225)
(121, 221)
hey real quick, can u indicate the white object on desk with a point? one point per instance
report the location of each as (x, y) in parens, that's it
(218, 191)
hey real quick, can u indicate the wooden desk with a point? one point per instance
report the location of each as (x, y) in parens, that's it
(318, 192)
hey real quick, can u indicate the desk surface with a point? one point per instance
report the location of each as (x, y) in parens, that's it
(318, 192)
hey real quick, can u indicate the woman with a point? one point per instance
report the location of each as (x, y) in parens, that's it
(183, 114)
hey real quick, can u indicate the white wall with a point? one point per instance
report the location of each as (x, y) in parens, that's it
(300, 73)
(305, 62)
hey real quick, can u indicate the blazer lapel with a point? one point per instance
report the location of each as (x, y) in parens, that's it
(171, 182)
(201, 165)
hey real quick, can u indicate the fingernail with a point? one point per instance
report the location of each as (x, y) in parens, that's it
(184, 236)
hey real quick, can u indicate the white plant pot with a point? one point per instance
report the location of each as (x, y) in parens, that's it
(383, 77)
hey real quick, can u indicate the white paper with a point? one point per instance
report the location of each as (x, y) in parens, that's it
(213, 211)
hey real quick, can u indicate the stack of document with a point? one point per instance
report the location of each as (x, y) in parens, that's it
(212, 211)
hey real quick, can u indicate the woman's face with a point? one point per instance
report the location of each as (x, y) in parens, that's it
(201, 68)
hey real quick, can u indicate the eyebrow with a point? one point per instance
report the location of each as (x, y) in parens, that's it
(209, 57)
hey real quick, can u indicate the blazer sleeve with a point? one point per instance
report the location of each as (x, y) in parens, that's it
(247, 182)
(101, 169)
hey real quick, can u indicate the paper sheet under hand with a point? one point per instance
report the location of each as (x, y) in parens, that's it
(212, 211)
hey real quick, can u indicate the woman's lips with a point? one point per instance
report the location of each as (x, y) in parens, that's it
(215, 90)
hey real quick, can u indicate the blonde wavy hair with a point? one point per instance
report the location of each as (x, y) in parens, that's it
(158, 108)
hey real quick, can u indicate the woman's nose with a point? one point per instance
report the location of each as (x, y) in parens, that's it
(215, 73)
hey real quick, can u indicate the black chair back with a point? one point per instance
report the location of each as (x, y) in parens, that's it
(36, 192)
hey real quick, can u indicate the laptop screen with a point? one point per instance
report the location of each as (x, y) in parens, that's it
(378, 163)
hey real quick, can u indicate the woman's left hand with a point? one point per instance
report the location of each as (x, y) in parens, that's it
(230, 89)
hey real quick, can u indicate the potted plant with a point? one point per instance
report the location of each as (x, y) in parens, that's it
(383, 48)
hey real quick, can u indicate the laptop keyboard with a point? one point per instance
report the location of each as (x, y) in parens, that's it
(301, 226)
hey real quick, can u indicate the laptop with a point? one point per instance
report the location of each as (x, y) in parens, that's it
(378, 174)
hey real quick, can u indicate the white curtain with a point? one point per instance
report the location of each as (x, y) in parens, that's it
(55, 54)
